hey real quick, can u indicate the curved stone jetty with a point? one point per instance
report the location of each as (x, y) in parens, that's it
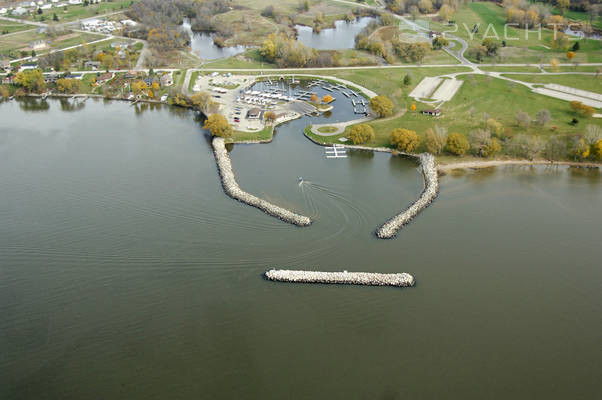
(233, 190)
(348, 278)
(431, 189)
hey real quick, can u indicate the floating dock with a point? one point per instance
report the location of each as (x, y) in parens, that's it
(344, 278)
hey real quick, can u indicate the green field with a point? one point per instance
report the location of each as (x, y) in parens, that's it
(10, 27)
(583, 82)
(521, 47)
(75, 12)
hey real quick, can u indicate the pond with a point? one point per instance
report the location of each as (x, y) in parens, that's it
(341, 37)
(202, 45)
(126, 272)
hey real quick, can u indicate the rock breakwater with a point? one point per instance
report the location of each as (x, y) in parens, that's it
(431, 189)
(348, 278)
(233, 190)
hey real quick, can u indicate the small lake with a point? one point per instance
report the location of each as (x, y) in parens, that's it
(202, 44)
(127, 273)
(342, 36)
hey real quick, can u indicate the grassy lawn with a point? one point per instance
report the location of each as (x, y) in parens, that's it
(584, 82)
(327, 129)
(484, 95)
(510, 69)
(193, 77)
(75, 12)
(10, 27)
(264, 134)
(521, 48)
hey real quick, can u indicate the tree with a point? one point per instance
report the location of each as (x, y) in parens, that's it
(580, 149)
(31, 80)
(495, 126)
(404, 139)
(570, 55)
(65, 85)
(493, 148)
(107, 61)
(582, 109)
(218, 126)
(202, 101)
(327, 99)
(491, 46)
(555, 148)
(563, 5)
(4, 92)
(598, 150)
(576, 46)
(435, 139)
(480, 139)
(457, 144)
(543, 117)
(593, 134)
(440, 42)
(446, 12)
(413, 107)
(523, 119)
(55, 17)
(362, 133)
(138, 87)
(382, 106)
(314, 98)
(407, 79)
(269, 117)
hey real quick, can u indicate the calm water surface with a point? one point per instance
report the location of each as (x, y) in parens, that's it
(201, 44)
(126, 273)
(342, 36)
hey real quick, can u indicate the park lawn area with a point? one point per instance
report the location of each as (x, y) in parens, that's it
(75, 12)
(575, 68)
(327, 129)
(264, 134)
(10, 27)
(491, 19)
(500, 99)
(193, 77)
(76, 39)
(583, 82)
(19, 40)
(389, 81)
(501, 68)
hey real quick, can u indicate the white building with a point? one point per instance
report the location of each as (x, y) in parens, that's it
(19, 11)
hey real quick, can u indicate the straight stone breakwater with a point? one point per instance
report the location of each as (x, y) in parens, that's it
(431, 179)
(349, 278)
(233, 190)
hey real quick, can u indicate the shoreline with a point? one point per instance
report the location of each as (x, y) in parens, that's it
(447, 167)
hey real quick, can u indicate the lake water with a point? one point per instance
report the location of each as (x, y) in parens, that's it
(127, 273)
(342, 36)
(201, 44)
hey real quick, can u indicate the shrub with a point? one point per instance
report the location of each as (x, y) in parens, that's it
(457, 144)
(361, 134)
(404, 139)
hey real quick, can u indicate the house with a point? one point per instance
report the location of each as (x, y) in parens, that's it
(131, 75)
(166, 79)
(104, 78)
(46, 6)
(73, 76)
(27, 66)
(121, 45)
(19, 11)
(3, 11)
(93, 65)
(51, 78)
(7, 80)
(41, 29)
(5, 66)
(38, 45)
(149, 81)
(253, 113)
(435, 113)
